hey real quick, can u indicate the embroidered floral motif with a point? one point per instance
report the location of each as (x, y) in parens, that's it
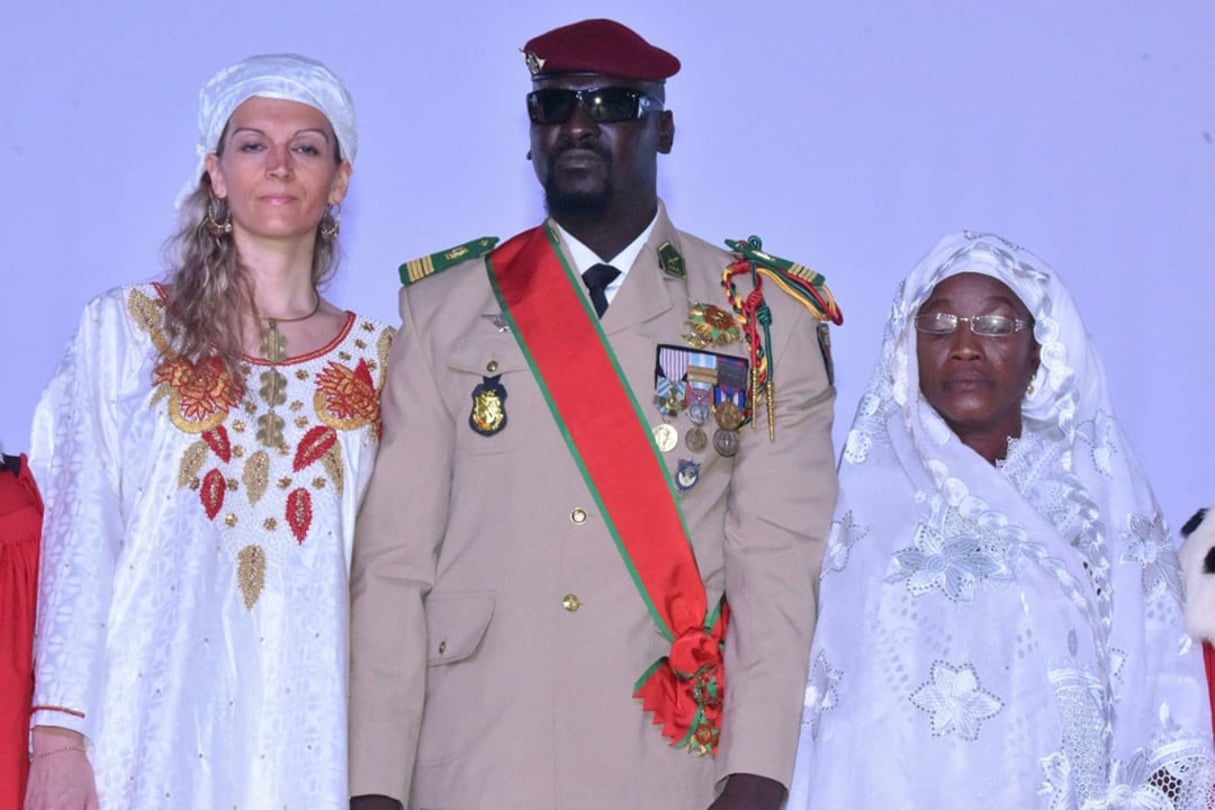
(843, 535)
(821, 693)
(346, 398)
(955, 701)
(200, 394)
(1131, 788)
(1057, 781)
(1150, 547)
(1098, 434)
(956, 553)
(233, 491)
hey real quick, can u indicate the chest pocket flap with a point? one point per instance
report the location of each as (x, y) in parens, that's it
(487, 356)
(455, 625)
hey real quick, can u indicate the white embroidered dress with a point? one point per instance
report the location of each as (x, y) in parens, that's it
(193, 602)
(999, 637)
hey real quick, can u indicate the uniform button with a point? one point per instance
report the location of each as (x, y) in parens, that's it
(491, 366)
(442, 647)
(570, 602)
(578, 515)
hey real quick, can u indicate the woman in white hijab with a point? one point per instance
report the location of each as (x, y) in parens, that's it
(1000, 621)
(203, 448)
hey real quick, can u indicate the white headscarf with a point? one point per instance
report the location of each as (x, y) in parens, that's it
(282, 76)
(1001, 637)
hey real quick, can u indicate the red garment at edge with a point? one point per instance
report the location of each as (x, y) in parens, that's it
(20, 530)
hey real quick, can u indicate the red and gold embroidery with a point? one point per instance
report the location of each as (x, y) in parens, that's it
(212, 493)
(200, 394)
(346, 398)
(217, 440)
(299, 513)
(313, 446)
(232, 477)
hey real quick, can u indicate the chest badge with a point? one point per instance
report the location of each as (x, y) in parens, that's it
(711, 326)
(488, 415)
(687, 473)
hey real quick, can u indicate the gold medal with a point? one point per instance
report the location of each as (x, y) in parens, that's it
(666, 436)
(729, 415)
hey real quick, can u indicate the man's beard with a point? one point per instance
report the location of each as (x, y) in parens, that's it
(577, 202)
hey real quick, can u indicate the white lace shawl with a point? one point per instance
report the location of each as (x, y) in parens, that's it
(999, 637)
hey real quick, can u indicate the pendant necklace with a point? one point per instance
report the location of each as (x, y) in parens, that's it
(273, 390)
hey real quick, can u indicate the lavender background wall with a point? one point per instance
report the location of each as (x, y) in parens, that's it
(849, 135)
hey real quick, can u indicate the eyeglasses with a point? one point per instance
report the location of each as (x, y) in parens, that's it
(945, 323)
(604, 105)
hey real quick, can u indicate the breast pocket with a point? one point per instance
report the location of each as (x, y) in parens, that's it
(493, 395)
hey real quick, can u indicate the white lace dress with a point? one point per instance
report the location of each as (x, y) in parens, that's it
(193, 602)
(1000, 637)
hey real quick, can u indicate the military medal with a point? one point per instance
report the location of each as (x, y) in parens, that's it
(731, 407)
(695, 439)
(669, 396)
(702, 377)
(725, 442)
(488, 415)
(729, 415)
(687, 473)
(711, 326)
(729, 420)
(666, 436)
(670, 393)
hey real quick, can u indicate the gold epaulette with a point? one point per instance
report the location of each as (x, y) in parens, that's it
(418, 269)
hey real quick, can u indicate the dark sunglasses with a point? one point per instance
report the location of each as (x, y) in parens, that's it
(604, 105)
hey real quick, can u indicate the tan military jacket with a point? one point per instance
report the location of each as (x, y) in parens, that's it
(497, 635)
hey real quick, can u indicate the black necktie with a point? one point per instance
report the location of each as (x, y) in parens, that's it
(597, 278)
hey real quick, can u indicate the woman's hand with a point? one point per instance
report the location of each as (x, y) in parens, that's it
(61, 777)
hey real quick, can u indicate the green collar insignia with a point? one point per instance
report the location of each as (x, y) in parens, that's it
(671, 261)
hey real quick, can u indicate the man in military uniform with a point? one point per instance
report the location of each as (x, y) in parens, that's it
(585, 570)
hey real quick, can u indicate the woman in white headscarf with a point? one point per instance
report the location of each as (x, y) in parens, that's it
(203, 448)
(1000, 621)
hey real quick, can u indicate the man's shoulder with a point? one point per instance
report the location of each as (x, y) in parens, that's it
(699, 250)
(425, 267)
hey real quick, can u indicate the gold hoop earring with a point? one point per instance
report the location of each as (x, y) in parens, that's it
(330, 225)
(217, 228)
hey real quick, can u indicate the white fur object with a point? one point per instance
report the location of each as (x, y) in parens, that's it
(1199, 546)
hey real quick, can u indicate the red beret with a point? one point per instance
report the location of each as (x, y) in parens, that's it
(598, 46)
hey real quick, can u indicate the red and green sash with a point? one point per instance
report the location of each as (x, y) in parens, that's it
(594, 408)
